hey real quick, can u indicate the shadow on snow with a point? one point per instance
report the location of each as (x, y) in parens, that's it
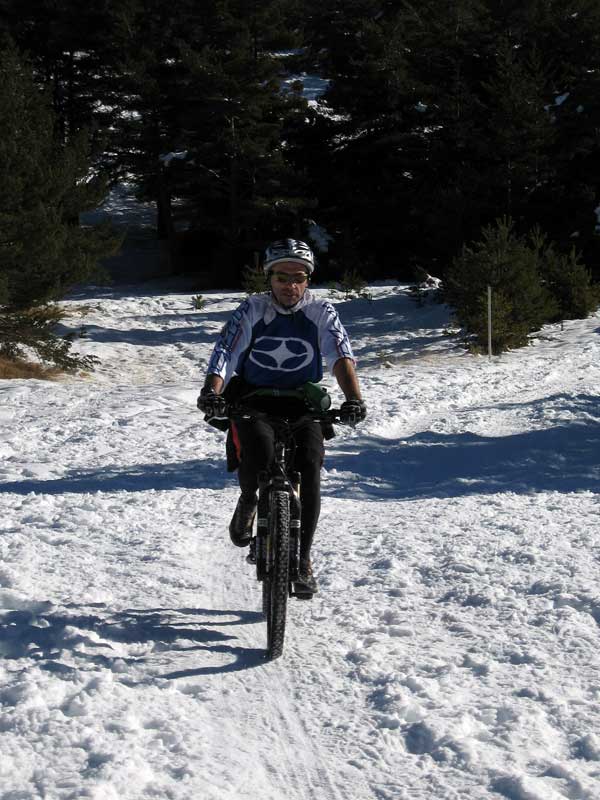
(200, 329)
(65, 641)
(197, 474)
(428, 464)
(563, 459)
(389, 318)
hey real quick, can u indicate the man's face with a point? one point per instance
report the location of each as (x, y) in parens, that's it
(288, 283)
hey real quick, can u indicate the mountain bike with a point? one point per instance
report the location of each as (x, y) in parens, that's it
(275, 547)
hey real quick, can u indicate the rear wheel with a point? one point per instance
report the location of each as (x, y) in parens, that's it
(275, 587)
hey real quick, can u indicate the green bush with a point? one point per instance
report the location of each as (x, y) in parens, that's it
(254, 280)
(32, 331)
(352, 286)
(567, 278)
(521, 303)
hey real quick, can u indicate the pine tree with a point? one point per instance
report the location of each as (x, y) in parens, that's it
(43, 251)
(519, 134)
(450, 45)
(359, 143)
(573, 48)
(444, 116)
(566, 277)
(76, 52)
(400, 156)
(206, 86)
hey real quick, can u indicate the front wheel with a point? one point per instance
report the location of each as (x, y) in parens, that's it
(275, 588)
(266, 598)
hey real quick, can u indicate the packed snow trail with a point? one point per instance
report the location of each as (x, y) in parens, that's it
(452, 651)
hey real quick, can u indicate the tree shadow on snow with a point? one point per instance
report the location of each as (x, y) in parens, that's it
(198, 331)
(390, 319)
(67, 640)
(201, 473)
(145, 337)
(564, 458)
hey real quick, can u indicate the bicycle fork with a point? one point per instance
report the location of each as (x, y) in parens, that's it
(260, 546)
(295, 524)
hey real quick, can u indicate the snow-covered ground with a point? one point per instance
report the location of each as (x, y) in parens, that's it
(452, 651)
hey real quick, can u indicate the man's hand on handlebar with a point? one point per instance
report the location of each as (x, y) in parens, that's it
(211, 403)
(214, 406)
(352, 412)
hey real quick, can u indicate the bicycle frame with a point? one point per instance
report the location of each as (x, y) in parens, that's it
(279, 478)
(275, 548)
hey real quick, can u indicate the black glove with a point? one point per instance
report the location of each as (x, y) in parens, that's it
(211, 403)
(352, 412)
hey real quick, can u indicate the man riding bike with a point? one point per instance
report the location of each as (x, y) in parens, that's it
(276, 342)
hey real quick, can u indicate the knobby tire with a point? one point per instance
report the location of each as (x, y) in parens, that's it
(266, 597)
(278, 577)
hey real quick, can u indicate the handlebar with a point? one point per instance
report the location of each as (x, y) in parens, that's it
(331, 415)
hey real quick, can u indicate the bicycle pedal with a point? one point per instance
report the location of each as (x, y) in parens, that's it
(251, 557)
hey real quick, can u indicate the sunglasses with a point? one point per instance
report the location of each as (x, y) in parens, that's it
(283, 277)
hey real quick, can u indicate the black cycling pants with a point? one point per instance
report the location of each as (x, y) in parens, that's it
(254, 441)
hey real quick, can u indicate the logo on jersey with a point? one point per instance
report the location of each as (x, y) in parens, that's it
(281, 355)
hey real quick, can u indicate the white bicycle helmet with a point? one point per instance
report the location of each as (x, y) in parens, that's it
(289, 250)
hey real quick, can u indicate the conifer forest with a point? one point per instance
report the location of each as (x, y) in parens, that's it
(459, 138)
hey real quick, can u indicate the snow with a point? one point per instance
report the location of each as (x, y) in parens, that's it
(121, 207)
(313, 86)
(178, 156)
(319, 236)
(452, 651)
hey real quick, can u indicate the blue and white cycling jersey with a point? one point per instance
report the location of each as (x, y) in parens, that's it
(269, 345)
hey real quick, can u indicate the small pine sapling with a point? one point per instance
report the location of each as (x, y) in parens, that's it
(351, 287)
(254, 280)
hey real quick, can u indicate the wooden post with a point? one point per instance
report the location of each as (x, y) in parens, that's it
(490, 322)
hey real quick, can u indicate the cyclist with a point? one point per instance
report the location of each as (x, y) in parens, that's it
(277, 341)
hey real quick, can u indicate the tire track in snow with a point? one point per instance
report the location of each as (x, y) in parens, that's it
(269, 700)
(313, 776)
